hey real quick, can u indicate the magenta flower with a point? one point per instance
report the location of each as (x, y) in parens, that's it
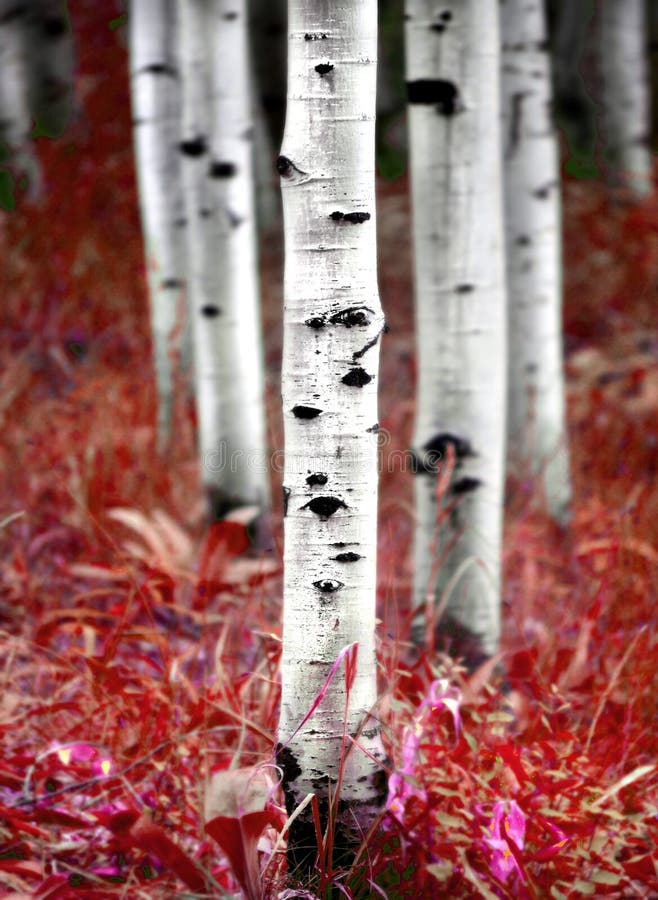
(506, 827)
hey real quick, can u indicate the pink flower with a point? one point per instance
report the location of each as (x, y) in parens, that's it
(506, 827)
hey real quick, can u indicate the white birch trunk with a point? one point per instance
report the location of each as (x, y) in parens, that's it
(626, 92)
(332, 326)
(224, 284)
(452, 55)
(155, 92)
(536, 414)
(15, 115)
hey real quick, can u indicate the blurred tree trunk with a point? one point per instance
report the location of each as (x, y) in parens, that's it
(224, 282)
(333, 322)
(155, 88)
(536, 415)
(623, 40)
(452, 61)
(51, 79)
(15, 113)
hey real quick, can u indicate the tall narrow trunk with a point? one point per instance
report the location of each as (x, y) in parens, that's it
(332, 326)
(51, 65)
(15, 114)
(536, 423)
(156, 118)
(452, 65)
(224, 286)
(626, 92)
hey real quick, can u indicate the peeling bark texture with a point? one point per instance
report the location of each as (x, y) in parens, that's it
(458, 234)
(223, 288)
(155, 89)
(624, 69)
(15, 113)
(536, 426)
(332, 310)
(51, 81)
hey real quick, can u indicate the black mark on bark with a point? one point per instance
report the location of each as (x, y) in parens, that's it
(328, 585)
(435, 450)
(435, 92)
(352, 317)
(320, 36)
(466, 485)
(230, 16)
(542, 192)
(523, 240)
(347, 557)
(324, 506)
(170, 284)
(194, 147)
(317, 478)
(210, 311)
(222, 169)
(286, 497)
(516, 117)
(374, 429)
(354, 218)
(159, 69)
(287, 169)
(356, 378)
(305, 412)
(323, 69)
(464, 288)
(359, 353)
(316, 322)
(54, 27)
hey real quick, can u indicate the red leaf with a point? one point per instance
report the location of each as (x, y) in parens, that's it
(144, 834)
(238, 838)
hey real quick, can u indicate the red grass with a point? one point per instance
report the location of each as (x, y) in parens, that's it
(140, 655)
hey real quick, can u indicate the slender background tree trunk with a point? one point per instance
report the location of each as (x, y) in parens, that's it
(625, 74)
(332, 327)
(536, 415)
(452, 54)
(155, 90)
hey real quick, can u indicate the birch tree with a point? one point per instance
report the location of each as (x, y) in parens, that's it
(332, 327)
(50, 84)
(15, 112)
(155, 89)
(452, 64)
(626, 92)
(223, 283)
(536, 414)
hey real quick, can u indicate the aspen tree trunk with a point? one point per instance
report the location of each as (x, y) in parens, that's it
(230, 369)
(536, 415)
(155, 92)
(626, 92)
(452, 55)
(15, 114)
(51, 65)
(332, 326)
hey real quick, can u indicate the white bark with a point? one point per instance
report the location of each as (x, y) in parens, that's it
(224, 283)
(452, 62)
(155, 92)
(626, 92)
(332, 326)
(536, 414)
(15, 115)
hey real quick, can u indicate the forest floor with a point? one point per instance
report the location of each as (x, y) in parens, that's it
(139, 652)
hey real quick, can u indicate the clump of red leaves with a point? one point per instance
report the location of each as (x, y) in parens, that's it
(140, 654)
